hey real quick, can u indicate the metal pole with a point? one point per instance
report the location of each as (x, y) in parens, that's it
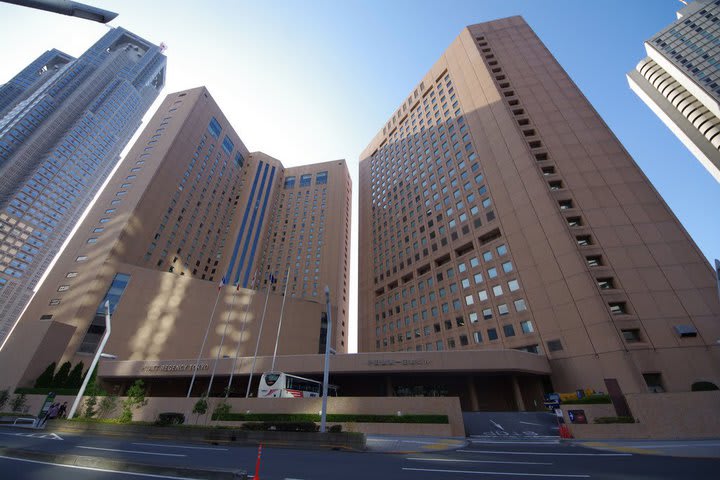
(326, 373)
(257, 344)
(202, 347)
(717, 275)
(222, 340)
(80, 394)
(282, 309)
(68, 7)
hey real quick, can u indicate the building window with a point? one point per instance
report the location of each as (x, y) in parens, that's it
(289, 183)
(654, 382)
(54, 302)
(503, 309)
(477, 337)
(321, 178)
(97, 327)
(574, 222)
(71, 275)
(239, 159)
(513, 285)
(618, 308)
(487, 313)
(492, 334)
(228, 145)
(594, 260)
(565, 204)
(520, 305)
(508, 330)
(526, 326)
(554, 345)
(214, 128)
(305, 180)
(63, 288)
(605, 283)
(631, 335)
(497, 290)
(81, 258)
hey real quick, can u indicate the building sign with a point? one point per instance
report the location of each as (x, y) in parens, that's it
(392, 363)
(175, 367)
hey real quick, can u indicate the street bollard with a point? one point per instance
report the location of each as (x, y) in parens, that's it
(257, 463)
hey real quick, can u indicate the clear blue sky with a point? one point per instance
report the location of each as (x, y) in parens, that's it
(311, 81)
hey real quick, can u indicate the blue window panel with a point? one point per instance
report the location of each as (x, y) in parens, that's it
(257, 231)
(256, 205)
(305, 180)
(214, 128)
(289, 183)
(96, 330)
(321, 178)
(228, 145)
(248, 207)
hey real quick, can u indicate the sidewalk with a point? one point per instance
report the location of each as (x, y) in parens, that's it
(420, 444)
(709, 448)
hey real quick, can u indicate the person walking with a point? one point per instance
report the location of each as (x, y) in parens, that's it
(62, 410)
(51, 413)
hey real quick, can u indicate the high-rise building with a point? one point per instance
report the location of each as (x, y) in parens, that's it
(63, 124)
(190, 207)
(680, 80)
(498, 211)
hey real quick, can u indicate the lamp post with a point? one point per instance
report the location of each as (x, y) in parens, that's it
(328, 336)
(98, 354)
(68, 7)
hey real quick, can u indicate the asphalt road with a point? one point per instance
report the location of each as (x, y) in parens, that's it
(481, 458)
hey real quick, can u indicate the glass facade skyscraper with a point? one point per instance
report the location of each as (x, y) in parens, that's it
(63, 124)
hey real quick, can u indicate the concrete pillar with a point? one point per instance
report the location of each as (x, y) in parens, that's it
(474, 404)
(517, 394)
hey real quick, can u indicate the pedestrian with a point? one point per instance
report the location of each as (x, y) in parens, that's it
(51, 413)
(63, 410)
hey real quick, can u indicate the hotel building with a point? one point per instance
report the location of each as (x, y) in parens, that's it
(499, 212)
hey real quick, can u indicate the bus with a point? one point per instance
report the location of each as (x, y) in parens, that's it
(284, 385)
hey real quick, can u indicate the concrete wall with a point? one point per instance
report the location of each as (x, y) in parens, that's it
(659, 415)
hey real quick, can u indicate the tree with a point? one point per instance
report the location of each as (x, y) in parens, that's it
(135, 399)
(18, 402)
(107, 405)
(45, 380)
(200, 408)
(75, 378)
(90, 403)
(4, 397)
(221, 409)
(61, 376)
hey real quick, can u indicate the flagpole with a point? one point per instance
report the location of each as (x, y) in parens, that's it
(207, 330)
(282, 309)
(257, 344)
(242, 330)
(222, 340)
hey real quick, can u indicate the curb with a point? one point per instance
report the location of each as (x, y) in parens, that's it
(121, 466)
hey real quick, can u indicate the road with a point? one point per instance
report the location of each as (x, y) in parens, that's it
(481, 458)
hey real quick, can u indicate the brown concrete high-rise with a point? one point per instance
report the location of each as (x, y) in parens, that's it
(498, 210)
(190, 208)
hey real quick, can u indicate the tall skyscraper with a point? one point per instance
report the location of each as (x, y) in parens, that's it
(188, 208)
(680, 80)
(63, 124)
(498, 211)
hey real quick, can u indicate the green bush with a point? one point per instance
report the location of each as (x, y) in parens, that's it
(46, 390)
(335, 418)
(4, 397)
(589, 400)
(614, 420)
(281, 426)
(170, 418)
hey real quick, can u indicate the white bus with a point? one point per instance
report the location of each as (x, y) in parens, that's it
(284, 385)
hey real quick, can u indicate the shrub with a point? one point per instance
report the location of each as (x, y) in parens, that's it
(135, 399)
(90, 404)
(589, 400)
(170, 418)
(107, 405)
(18, 402)
(703, 387)
(221, 409)
(335, 418)
(61, 377)
(281, 426)
(4, 397)
(335, 429)
(614, 420)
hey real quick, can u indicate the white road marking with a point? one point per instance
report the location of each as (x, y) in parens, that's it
(134, 451)
(94, 469)
(419, 459)
(514, 442)
(44, 436)
(181, 446)
(621, 445)
(437, 470)
(497, 425)
(401, 441)
(531, 423)
(551, 453)
(513, 436)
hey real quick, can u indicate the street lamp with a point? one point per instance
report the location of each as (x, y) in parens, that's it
(68, 7)
(328, 336)
(98, 354)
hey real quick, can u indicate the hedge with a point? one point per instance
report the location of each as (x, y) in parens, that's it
(45, 391)
(335, 418)
(589, 400)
